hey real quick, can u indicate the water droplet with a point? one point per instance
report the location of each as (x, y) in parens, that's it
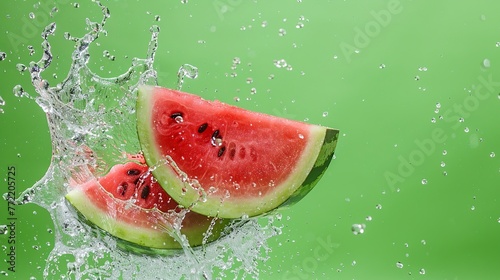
(19, 91)
(184, 1)
(301, 136)
(461, 120)
(282, 32)
(433, 120)
(264, 23)
(497, 44)
(299, 25)
(186, 70)
(423, 241)
(424, 69)
(498, 220)
(353, 263)
(3, 229)
(31, 15)
(369, 218)
(179, 119)
(443, 164)
(237, 99)
(492, 154)
(445, 152)
(253, 91)
(421, 271)
(466, 130)
(438, 105)
(281, 63)
(34, 212)
(335, 57)
(473, 208)
(381, 66)
(76, 5)
(417, 78)
(249, 80)
(378, 206)
(399, 265)
(31, 50)
(4, 273)
(358, 229)
(486, 63)
(3, 56)
(424, 181)
(21, 67)
(157, 18)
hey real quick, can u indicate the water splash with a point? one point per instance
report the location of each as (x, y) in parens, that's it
(92, 124)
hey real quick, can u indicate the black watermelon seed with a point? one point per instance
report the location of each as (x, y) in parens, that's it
(145, 192)
(202, 127)
(133, 172)
(215, 134)
(221, 151)
(175, 115)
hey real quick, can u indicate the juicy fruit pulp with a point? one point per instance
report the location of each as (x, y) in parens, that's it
(225, 161)
(129, 204)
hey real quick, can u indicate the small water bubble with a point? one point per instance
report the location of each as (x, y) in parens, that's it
(280, 63)
(157, 18)
(492, 154)
(486, 63)
(466, 130)
(438, 105)
(423, 242)
(473, 208)
(381, 66)
(497, 44)
(301, 136)
(358, 229)
(417, 78)
(424, 181)
(184, 1)
(281, 32)
(36, 247)
(325, 114)
(368, 218)
(443, 164)
(53, 11)
(461, 120)
(76, 5)
(4, 273)
(31, 15)
(19, 91)
(237, 99)
(249, 80)
(433, 120)
(253, 91)
(289, 67)
(31, 50)
(264, 23)
(21, 67)
(399, 265)
(378, 206)
(421, 271)
(299, 25)
(3, 229)
(3, 56)
(424, 69)
(445, 152)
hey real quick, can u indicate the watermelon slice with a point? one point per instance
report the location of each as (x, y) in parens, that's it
(129, 204)
(224, 161)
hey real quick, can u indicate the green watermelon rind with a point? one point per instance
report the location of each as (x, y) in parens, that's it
(314, 161)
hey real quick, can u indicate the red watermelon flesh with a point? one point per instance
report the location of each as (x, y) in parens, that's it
(128, 203)
(235, 162)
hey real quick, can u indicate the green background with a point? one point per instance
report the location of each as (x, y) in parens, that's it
(378, 68)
